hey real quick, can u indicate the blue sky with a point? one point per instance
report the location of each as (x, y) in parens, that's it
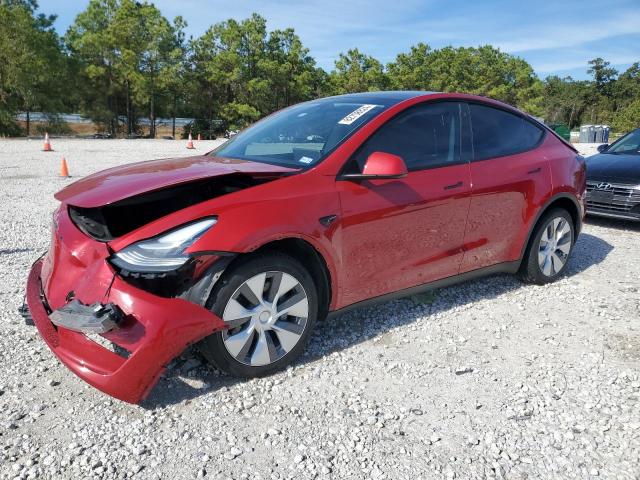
(556, 37)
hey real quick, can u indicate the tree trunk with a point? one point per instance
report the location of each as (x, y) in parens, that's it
(113, 119)
(129, 124)
(152, 118)
(116, 122)
(210, 118)
(173, 120)
(573, 107)
(112, 105)
(152, 103)
(28, 123)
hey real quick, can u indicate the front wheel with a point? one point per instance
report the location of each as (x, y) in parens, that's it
(270, 305)
(548, 253)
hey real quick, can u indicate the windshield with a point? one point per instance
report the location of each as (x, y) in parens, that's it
(302, 135)
(629, 144)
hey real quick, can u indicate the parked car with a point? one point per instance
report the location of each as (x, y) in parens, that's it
(243, 250)
(102, 135)
(230, 133)
(613, 179)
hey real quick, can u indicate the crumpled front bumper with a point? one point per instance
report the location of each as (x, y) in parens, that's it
(155, 330)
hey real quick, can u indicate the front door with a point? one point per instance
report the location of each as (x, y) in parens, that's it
(405, 232)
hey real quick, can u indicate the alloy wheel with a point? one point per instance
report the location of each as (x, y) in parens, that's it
(555, 245)
(267, 316)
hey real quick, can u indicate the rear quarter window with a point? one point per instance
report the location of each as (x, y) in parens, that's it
(497, 133)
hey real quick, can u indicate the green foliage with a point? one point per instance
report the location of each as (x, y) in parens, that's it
(239, 115)
(122, 60)
(602, 100)
(131, 58)
(603, 75)
(628, 118)
(481, 71)
(357, 72)
(242, 72)
(565, 100)
(54, 126)
(33, 68)
(626, 88)
(8, 125)
(200, 126)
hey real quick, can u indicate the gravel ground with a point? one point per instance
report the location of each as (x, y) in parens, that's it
(489, 379)
(587, 149)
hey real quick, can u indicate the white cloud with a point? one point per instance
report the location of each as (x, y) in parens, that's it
(576, 61)
(572, 33)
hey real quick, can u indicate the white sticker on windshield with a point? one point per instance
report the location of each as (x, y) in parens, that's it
(305, 160)
(356, 114)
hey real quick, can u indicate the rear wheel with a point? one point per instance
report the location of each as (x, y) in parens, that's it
(270, 305)
(548, 253)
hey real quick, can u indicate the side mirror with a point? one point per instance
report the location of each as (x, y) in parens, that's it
(379, 166)
(603, 147)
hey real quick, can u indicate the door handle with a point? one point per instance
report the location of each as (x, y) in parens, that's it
(535, 170)
(328, 220)
(455, 185)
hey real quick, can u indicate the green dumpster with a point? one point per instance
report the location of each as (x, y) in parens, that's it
(562, 130)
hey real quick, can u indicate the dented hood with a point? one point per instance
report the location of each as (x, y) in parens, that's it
(118, 183)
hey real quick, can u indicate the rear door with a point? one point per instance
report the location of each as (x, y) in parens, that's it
(510, 177)
(405, 232)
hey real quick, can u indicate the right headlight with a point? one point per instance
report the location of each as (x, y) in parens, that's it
(163, 253)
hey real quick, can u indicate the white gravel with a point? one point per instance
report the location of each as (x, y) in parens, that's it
(489, 379)
(587, 149)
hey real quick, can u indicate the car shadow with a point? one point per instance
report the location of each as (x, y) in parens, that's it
(190, 376)
(618, 224)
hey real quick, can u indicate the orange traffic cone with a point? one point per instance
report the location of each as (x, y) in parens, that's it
(199, 137)
(190, 143)
(64, 170)
(47, 143)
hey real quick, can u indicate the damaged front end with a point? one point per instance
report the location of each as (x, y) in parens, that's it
(75, 294)
(117, 316)
(117, 296)
(113, 220)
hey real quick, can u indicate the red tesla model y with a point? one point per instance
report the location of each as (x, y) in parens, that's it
(323, 206)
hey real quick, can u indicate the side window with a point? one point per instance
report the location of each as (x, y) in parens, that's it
(497, 133)
(425, 136)
(627, 144)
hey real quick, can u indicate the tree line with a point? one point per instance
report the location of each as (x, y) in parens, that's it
(122, 60)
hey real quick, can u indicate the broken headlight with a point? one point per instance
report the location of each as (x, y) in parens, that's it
(163, 253)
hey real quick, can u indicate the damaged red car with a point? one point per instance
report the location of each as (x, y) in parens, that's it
(321, 207)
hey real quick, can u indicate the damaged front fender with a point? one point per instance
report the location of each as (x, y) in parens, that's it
(155, 330)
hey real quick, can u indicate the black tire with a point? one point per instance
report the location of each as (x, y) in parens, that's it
(213, 347)
(530, 269)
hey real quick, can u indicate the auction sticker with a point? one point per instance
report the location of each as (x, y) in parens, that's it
(356, 114)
